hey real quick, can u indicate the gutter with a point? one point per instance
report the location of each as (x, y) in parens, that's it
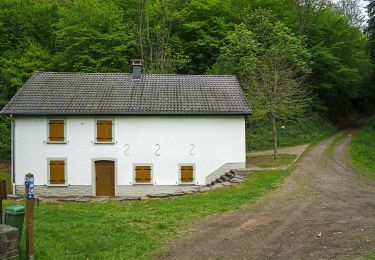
(13, 168)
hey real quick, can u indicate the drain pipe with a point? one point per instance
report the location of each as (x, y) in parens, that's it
(13, 169)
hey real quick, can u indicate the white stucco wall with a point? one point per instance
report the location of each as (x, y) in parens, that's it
(217, 140)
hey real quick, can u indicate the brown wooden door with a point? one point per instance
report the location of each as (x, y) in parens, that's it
(105, 178)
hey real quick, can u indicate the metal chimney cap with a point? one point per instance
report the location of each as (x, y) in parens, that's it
(137, 62)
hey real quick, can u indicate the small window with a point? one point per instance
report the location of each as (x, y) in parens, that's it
(142, 174)
(56, 130)
(56, 172)
(186, 174)
(104, 131)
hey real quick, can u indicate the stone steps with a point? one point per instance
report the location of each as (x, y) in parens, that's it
(229, 178)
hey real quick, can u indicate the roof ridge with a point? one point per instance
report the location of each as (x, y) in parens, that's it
(127, 73)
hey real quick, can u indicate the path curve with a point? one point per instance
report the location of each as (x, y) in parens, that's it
(323, 210)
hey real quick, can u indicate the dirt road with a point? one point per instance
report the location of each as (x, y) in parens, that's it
(324, 210)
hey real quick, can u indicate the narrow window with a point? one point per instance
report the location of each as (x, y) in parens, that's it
(186, 174)
(56, 172)
(142, 174)
(56, 130)
(104, 131)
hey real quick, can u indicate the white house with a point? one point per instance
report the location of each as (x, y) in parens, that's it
(113, 134)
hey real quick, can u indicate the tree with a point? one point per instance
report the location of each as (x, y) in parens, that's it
(270, 61)
(278, 92)
(92, 37)
(371, 26)
(16, 69)
(352, 10)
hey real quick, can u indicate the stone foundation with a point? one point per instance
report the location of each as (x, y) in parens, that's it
(121, 190)
(8, 242)
(48, 191)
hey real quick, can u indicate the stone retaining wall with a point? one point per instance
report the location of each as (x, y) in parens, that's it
(8, 242)
(48, 191)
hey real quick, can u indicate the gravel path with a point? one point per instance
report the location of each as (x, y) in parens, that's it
(324, 210)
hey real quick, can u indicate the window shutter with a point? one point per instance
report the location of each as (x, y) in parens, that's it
(187, 174)
(104, 131)
(56, 130)
(143, 174)
(57, 172)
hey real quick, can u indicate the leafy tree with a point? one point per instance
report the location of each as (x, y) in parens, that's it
(278, 92)
(91, 37)
(352, 10)
(15, 70)
(341, 63)
(269, 60)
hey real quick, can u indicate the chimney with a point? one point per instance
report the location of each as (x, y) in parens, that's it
(137, 68)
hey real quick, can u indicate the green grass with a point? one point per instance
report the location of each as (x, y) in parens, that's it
(135, 229)
(268, 160)
(310, 130)
(370, 257)
(362, 148)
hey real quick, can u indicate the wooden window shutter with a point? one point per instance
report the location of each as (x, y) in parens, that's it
(57, 172)
(56, 130)
(143, 174)
(187, 174)
(104, 131)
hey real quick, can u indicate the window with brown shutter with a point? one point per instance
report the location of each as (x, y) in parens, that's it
(186, 174)
(104, 131)
(56, 130)
(57, 172)
(142, 174)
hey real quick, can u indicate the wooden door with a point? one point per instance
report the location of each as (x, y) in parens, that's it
(105, 178)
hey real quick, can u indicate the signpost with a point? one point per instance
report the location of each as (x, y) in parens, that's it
(29, 188)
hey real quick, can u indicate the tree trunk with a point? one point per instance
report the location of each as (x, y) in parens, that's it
(274, 134)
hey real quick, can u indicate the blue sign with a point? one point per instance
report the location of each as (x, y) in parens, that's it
(29, 182)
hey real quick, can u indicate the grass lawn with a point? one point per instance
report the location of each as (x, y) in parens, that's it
(362, 148)
(135, 229)
(269, 161)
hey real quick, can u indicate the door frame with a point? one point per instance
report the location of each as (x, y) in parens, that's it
(93, 173)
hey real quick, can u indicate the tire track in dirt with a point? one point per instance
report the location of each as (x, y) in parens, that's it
(323, 210)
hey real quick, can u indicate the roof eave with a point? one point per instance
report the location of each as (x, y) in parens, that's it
(246, 113)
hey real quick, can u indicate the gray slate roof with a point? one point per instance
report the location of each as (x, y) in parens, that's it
(57, 93)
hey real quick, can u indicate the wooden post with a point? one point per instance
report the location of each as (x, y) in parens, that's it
(3, 195)
(29, 186)
(1, 202)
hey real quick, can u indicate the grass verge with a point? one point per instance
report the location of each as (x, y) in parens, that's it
(312, 129)
(135, 229)
(5, 175)
(362, 148)
(268, 160)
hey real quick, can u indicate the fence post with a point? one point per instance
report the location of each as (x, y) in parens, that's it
(29, 187)
(3, 195)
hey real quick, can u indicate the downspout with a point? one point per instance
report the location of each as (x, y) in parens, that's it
(13, 168)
